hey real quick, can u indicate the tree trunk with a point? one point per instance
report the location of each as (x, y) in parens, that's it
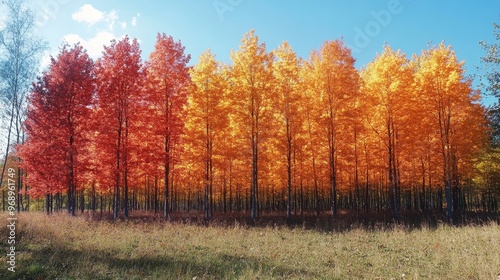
(166, 177)
(289, 170)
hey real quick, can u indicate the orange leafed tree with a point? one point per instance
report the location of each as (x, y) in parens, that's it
(54, 155)
(334, 82)
(166, 88)
(387, 82)
(278, 132)
(287, 99)
(452, 103)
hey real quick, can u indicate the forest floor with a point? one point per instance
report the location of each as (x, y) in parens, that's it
(143, 247)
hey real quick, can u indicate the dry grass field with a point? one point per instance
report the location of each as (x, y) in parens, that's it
(62, 247)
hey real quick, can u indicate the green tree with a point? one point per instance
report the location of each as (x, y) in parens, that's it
(491, 62)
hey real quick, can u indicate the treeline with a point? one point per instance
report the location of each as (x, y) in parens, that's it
(268, 132)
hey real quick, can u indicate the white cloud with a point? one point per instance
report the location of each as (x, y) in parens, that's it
(110, 18)
(88, 14)
(134, 20)
(105, 28)
(95, 45)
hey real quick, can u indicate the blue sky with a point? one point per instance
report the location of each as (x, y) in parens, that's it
(409, 25)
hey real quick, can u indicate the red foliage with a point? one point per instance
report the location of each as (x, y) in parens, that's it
(119, 76)
(57, 124)
(167, 80)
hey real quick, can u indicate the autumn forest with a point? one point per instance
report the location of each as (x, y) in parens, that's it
(268, 132)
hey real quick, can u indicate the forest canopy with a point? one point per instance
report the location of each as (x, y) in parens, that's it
(269, 131)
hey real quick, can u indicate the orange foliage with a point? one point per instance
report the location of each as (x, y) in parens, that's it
(264, 127)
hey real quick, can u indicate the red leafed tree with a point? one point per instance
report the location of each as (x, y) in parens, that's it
(58, 113)
(167, 81)
(119, 77)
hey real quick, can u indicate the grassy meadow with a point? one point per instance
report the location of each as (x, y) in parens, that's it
(63, 247)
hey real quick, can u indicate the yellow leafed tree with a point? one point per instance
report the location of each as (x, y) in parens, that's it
(207, 119)
(250, 95)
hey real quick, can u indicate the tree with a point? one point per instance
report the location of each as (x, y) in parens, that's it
(119, 85)
(54, 155)
(207, 118)
(269, 132)
(19, 51)
(251, 89)
(487, 165)
(387, 81)
(491, 63)
(287, 103)
(487, 177)
(457, 117)
(334, 81)
(167, 82)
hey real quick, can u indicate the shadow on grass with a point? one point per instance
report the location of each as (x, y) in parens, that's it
(57, 261)
(344, 221)
(383, 220)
